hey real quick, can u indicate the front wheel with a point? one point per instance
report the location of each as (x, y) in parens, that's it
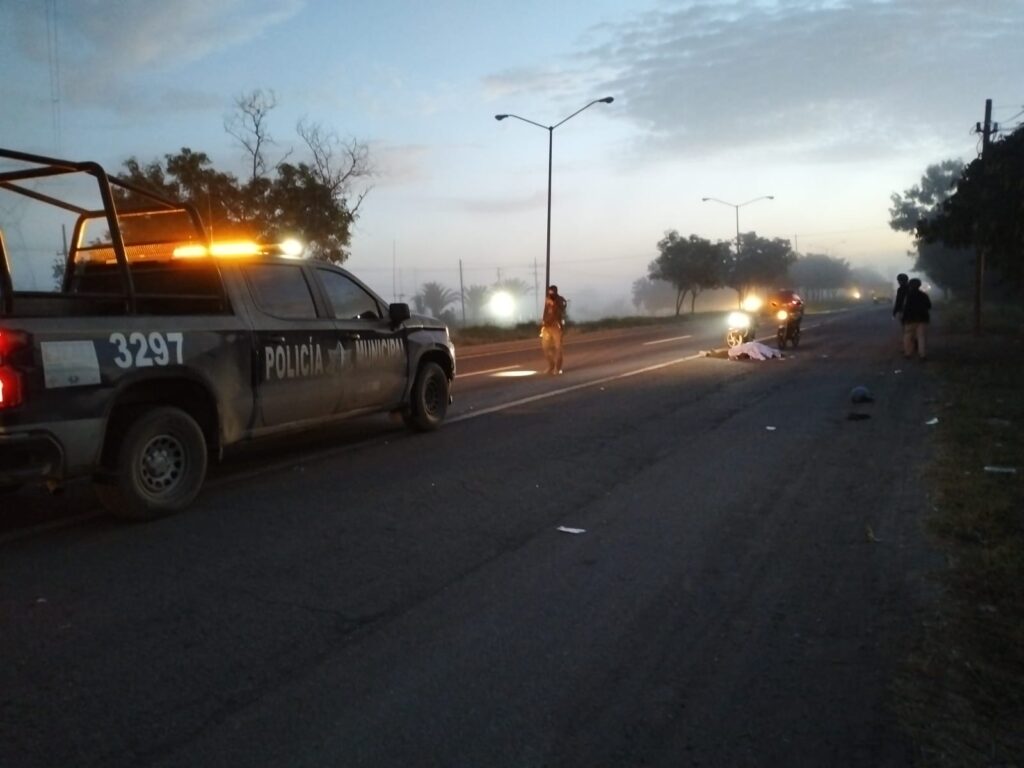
(781, 338)
(429, 400)
(159, 468)
(735, 337)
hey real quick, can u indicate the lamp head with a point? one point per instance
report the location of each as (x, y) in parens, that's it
(500, 117)
(771, 197)
(704, 199)
(607, 99)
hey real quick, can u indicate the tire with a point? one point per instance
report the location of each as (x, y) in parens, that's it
(781, 338)
(734, 338)
(429, 399)
(159, 468)
(796, 337)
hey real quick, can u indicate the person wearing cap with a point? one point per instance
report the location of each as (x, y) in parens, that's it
(915, 317)
(552, 326)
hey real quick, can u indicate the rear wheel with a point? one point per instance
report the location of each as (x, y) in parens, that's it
(795, 338)
(781, 337)
(429, 399)
(159, 468)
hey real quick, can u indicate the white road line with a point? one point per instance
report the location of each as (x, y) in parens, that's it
(489, 370)
(574, 388)
(663, 341)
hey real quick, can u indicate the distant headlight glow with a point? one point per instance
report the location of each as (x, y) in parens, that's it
(502, 305)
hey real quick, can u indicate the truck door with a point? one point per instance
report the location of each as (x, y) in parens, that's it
(376, 358)
(295, 348)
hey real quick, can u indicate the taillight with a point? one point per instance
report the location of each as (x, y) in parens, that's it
(11, 390)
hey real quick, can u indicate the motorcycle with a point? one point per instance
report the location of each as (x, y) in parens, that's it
(788, 329)
(788, 310)
(741, 328)
(742, 324)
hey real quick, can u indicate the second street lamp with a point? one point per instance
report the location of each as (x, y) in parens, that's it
(551, 134)
(737, 207)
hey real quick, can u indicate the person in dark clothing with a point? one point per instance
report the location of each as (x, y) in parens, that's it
(552, 326)
(915, 316)
(901, 295)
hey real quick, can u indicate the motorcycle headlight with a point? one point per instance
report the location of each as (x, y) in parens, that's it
(781, 314)
(738, 320)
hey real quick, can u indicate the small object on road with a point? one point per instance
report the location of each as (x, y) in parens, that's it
(861, 394)
(858, 416)
(1001, 470)
(932, 422)
(564, 529)
(871, 535)
(771, 429)
(898, 370)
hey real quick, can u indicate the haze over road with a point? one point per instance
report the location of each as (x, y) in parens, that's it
(376, 598)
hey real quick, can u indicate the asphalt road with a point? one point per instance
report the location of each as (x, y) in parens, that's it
(749, 563)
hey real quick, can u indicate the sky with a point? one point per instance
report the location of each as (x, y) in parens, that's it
(829, 106)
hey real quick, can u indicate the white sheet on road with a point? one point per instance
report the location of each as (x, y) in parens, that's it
(755, 350)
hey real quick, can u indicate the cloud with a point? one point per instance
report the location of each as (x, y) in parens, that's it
(399, 165)
(103, 44)
(515, 82)
(502, 206)
(806, 78)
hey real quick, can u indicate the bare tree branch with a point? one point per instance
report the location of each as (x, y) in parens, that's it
(248, 125)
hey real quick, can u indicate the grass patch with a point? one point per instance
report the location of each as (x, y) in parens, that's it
(962, 694)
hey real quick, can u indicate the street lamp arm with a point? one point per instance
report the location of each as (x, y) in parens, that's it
(716, 200)
(605, 100)
(763, 197)
(517, 117)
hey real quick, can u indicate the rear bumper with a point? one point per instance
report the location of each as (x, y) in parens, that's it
(30, 456)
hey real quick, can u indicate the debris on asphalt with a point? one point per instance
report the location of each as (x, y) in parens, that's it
(871, 535)
(932, 422)
(564, 529)
(1001, 470)
(771, 429)
(861, 394)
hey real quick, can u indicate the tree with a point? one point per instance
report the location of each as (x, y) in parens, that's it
(759, 263)
(476, 300)
(435, 298)
(948, 266)
(818, 275)
(653, 295)
(987, 209)
(690, 265)
(316, 201)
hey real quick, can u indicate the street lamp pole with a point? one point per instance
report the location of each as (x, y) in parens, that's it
(551, 142)
(737, 207)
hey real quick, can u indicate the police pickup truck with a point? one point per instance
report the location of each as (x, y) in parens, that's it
(159, 348)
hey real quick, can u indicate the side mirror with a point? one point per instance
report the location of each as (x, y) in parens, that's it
(398, 313)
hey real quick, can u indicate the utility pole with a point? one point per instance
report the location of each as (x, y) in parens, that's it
(536, 289)
(981, 234)
(462, 293)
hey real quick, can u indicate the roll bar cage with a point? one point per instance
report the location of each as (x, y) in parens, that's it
(39, 167)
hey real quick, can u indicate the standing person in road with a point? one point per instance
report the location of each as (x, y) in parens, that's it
(916, 314)
(552, 326)
(901, 296)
